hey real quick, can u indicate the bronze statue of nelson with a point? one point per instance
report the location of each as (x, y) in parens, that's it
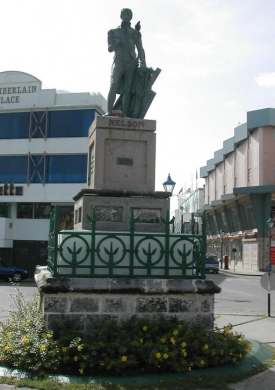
(130, 77)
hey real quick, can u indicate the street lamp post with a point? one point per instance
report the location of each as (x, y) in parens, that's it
(221, 247)
(169, 186)
(270, 224)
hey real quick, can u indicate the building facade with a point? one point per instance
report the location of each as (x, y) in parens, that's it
(240, 194)
(43, 161)
(190, 203)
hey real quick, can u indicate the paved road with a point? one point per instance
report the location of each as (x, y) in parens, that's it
(8, 293)
(242, 295)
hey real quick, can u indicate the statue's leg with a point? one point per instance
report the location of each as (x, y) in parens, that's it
(116, 75)
(129, 75)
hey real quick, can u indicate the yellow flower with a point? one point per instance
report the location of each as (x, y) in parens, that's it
(80, 347)
(124, 358)
(183, 352)
(173, 341)
(165, 356)
(43, 347)
(205, 347)
(175, 332)
(183, 344)
(145, 328)
(141, 341)
(81, 370)
(158, 355)
(25, 340)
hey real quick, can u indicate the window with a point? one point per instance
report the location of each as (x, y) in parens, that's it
(70, 123)
(68, 168)
(33, 210)
(25, 210)
(65, 217)
(14, 125)
(4, 210)
(13, 169)
(40, 124)
(42, 210)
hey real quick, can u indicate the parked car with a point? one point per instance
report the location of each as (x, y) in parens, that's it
(212, 264)
(11, 272)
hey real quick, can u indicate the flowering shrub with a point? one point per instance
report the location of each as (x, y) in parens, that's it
(24, 340)
(135, 345)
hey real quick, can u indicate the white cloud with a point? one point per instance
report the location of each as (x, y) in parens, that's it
(266, 79)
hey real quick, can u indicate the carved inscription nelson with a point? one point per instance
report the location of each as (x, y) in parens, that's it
(126, 123)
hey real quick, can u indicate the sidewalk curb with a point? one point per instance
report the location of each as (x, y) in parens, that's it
(228, 271)
(259, 354)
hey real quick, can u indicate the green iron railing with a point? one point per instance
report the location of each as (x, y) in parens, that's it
(133, 254)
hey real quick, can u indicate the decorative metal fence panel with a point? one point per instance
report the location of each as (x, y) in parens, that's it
(125, 254)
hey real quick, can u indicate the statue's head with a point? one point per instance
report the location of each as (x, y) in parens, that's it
(126, 15)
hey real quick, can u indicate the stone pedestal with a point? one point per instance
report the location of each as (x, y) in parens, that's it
(77, 304)
(122, 153)
(121, 177)
(113, 210)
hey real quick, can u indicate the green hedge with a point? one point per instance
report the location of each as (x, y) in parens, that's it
(133, 346)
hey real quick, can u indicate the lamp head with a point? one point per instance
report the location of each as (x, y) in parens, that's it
(169, 184)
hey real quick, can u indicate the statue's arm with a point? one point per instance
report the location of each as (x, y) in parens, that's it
(113, 42)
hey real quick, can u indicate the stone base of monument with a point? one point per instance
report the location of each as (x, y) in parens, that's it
(115, 209)
(77, 304)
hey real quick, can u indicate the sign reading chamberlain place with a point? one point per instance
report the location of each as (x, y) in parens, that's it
(12, 94)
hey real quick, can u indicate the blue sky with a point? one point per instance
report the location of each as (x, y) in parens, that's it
(217, 60)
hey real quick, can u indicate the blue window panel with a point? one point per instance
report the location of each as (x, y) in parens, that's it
(70, 168)
(14, 125)
(70, 123)
(13, 169)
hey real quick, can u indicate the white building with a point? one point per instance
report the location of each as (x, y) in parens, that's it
(43, 161)
(189, 204)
